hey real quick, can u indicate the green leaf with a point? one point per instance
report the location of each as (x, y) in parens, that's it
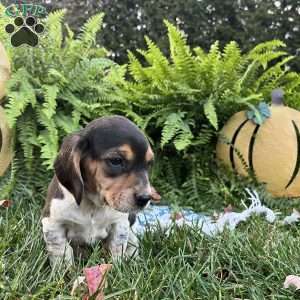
(210, 113)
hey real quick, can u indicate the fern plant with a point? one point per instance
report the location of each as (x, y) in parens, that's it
(192, 91)
(185, 97)
(180, 100)
(58, 86)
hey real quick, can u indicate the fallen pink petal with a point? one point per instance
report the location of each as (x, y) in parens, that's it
(95, 277)
(5, 203)
(292, 281)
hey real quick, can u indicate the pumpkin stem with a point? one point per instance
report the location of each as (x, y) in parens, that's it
(277, 97)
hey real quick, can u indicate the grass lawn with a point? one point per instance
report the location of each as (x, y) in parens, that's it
(250, 263)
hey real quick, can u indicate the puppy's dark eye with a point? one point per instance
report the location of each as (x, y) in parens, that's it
(116, 161)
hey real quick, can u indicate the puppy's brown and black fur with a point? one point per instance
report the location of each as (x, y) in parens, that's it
(101, 176)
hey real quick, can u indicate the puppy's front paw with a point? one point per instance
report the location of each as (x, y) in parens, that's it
(117, 252)
(67, 259)
(132, 252)
(132, 249)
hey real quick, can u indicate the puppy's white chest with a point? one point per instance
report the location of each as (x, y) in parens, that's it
(89, 230)
(86, 224)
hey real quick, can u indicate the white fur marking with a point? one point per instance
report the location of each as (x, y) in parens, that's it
(86, 223)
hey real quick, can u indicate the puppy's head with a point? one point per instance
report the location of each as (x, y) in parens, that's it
(111, 158)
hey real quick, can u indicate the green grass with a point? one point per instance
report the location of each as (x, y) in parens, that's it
(249, 263)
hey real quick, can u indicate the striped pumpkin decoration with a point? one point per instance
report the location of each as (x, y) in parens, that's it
(5, 132)
(270, 151)
(5, 143)
(4, 70)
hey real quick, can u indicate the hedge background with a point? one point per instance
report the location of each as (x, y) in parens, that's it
(248, 22)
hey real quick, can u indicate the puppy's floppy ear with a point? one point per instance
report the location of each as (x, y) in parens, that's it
(67, 165)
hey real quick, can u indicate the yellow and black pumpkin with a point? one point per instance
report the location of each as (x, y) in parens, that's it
(4, 70)
(5, 143)
(271, 150)
(5, 131)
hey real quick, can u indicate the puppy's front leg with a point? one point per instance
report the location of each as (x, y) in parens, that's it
(118, 239)
(56, 241)
(133, 245)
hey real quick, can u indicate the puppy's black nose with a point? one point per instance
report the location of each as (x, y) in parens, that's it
(142, 200)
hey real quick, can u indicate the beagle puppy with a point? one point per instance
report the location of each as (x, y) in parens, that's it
(101, 181)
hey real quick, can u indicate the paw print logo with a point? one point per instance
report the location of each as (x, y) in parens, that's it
(24, 31)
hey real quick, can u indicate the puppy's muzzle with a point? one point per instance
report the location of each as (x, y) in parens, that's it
(142, 200)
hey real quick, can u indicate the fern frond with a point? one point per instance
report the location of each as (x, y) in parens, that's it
(27, 135)
(175, 128)
(54, 37)
(20, 95)
(272, 45)
(50, 95)
(68, 124)
(195, 183)
(90, 29)
(273, 75)
(266, 52)
(158, 62)
(180, 53)
(136, 69)
(210, 112)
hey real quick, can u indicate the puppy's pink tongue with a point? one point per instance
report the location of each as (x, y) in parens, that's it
(155, 195)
